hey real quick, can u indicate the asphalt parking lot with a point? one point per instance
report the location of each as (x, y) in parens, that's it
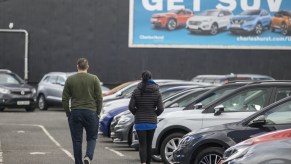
(43, 137)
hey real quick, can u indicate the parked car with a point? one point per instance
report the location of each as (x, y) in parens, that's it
(251, 22)
(50, 89)
(199, 102)
(210, 21)
(15, 93)
(224, 79)
(117, 88)
(234, 106)
(282, 20)
(210, 142)
(172, 19)
(122, 125)
(273, 147)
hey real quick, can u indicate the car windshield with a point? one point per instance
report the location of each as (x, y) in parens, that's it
(288, 13)
(251, 12)
(209, 13)
(6, 78)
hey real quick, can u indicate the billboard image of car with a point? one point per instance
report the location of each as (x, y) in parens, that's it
(209, 21)
(282, 21)
(251, 22)
(172, 19)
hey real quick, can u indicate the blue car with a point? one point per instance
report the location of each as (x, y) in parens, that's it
(251, 22)
(106, 119)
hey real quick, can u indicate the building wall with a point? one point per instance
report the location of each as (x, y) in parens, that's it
(61, 31)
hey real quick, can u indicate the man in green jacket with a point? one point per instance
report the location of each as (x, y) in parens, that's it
(83, 90)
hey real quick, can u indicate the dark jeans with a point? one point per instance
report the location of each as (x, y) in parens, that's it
(78, 120)
(145, 138)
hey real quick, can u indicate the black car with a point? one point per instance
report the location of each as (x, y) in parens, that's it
(15, 93)
(210, 143)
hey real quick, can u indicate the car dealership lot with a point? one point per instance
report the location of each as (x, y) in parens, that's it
(44, 137)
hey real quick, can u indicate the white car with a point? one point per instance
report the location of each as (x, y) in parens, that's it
(232, 107)
(210, 21)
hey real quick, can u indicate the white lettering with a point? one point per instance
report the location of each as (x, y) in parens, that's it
(196, 5)
(231, 5)
(157, 6)
(172, 6)
(274, 5)
(245, 6)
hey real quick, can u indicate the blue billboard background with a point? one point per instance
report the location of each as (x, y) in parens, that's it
(181, 37)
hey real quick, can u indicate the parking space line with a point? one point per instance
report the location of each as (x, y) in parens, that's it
(114, 151)
(49, 136)
(1, 154)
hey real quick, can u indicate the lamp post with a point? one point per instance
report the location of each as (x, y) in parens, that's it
(11, 30)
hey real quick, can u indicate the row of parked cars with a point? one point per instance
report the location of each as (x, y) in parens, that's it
(215, 20)
(16, 93)
(201, 121)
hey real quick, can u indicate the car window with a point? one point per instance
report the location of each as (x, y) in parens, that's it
(264, 13)
(182, 12)
(53, 79)
(282, 93)
(185, 101)
(250, 100)
(46, 79)
(61, 80)
(279, 115)
(215, 95)
(8, 79)
(226, 13)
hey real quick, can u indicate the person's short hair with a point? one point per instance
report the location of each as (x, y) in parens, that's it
(82, 64)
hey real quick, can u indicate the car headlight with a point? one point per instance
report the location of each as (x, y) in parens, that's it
(186, 141)
(33, 91)
(235, 152)
(249, 20)
(123, 120)
(4, 91)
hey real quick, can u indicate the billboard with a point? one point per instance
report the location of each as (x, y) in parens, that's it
(217, 24)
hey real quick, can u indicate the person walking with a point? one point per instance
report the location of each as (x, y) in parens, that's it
(146, 104)
(82, 101)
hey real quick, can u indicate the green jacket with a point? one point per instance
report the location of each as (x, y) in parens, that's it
(83, 90)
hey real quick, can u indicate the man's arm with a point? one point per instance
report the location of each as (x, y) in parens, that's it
(98, 97)
(66, 98)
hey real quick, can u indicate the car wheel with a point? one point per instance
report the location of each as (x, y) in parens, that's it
(258, 29)
(2, 109)
(284, 29)
(30, 109)
(42, 104)
(171, 24)
(213, 154)
(214, 29)
(169, 144)
(156, 158)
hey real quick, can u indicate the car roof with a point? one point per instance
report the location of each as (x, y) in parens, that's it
(5, 71)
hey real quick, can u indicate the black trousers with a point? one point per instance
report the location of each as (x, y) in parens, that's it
(145, 138)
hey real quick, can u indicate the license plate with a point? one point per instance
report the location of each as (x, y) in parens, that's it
(23, 102)
(235, 25)
(195, 27)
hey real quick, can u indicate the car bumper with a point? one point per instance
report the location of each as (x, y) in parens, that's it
(200, 28)
(17, 101)
(242, 28)
(182, 156)
(120, 133)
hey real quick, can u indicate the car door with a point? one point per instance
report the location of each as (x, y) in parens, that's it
(277, 118)
(59, 89)
(182, 17)
(265, 18)
(238, 106)
(52, 88)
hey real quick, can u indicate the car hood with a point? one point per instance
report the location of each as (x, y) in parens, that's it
(223, 127)
(245, 17)
(201, 18)
(176, 113)
(16, 87)
(162, 15)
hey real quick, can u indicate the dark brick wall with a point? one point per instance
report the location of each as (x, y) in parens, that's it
(63, 30)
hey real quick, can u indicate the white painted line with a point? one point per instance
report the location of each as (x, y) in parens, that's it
(1, 154)
(39, 153)
(49, 136)
(114, 151)
(20, 131)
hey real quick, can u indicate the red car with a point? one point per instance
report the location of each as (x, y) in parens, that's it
(264, 149)
(172, 19)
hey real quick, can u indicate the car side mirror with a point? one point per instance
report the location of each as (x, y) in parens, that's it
(257, 122)
(119, 94)
(218, 109)
(198, 106)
